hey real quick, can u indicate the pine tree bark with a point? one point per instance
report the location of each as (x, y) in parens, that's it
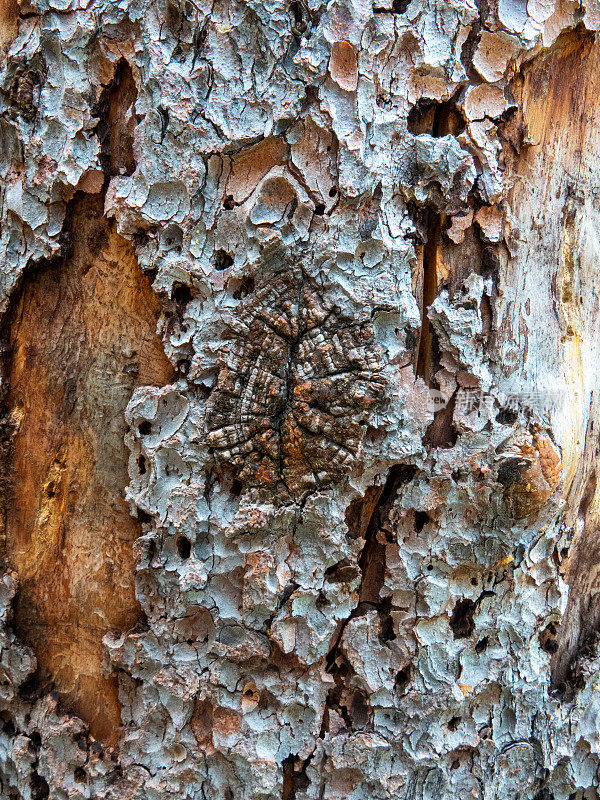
(299, 387)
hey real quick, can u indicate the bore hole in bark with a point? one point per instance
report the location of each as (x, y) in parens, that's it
(229, 203)
(183, 366)
(79, 775)
(39, 787)
(142, 465)
(400, 6)
(507, 416)
(141, 238)
(386, 629)
(481, 645)
(341, 572)
(172, 238)
(359, 710)
(453, 723)
(403, 678)
(143, 516)
(241, 287)
(320, 209)
(429, 567)
(461, 621)
(181, 296)
(145, 428)
(7, 725)
(421, 519)
(294, 777)
(296, 10)
(223, 260)
(152, 551)
(236, 488)
(548, 641)
(184, 547)
(473, 581)
(332, 191)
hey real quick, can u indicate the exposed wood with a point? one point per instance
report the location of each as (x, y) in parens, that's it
(81, 336)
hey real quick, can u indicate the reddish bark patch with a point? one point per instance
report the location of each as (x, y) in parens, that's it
(82, 336)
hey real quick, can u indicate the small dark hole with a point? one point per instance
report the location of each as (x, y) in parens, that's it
(143, 516)
(332, 191)
(8, 728)
(386, 629)
(455, 764)
(145, 428)
(142, 464)
(79, 775)
(481, 645)
(296, 10)
(510, 471)
(461, 621)
(507, 416)
(429, 567)
(421, 519)
(548, 641)
(181, 295)
(403, 678)
(359, 710)
(473, 581)
(183, 366)
(152, 550)
(400, 6)
(320, 209)
(184, 547)
(246, 285)
(223, 260)
(236, 488)
(229, 203)
(141, 238)
(453, 723)
(39, 787)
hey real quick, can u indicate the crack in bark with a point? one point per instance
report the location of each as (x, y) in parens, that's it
(372, 567)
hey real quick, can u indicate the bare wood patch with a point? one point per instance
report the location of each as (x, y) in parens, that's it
(81, 336)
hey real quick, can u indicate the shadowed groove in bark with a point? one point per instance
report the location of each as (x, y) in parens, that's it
(437, 119)
(372, 567)
(424, 368)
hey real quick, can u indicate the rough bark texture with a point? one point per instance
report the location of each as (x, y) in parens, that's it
(300, 412)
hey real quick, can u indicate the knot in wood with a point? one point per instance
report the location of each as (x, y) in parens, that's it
(297, 382)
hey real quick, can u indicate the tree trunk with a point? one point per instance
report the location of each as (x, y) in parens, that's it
(300, 400)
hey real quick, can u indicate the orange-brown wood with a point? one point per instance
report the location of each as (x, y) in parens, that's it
(82, 336)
